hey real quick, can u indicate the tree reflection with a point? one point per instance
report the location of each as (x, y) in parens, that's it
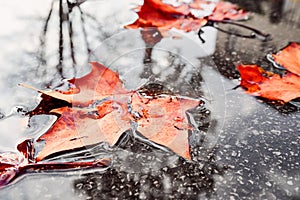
(64, 40)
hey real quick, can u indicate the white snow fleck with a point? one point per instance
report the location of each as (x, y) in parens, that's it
(290, 182)
(277, 153)
(268, 184)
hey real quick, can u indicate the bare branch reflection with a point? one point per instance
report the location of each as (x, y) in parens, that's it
(65, 42)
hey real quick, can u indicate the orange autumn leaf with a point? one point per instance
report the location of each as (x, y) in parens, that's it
(162, 119)
(98, 84)
(152, 16)
(100, 117)
(251, 77)
(227, 10)
(289, 58)
(262, 83)
(186, 17)
(274, 87)
(167, 8)
(77, 128)
(284, 88)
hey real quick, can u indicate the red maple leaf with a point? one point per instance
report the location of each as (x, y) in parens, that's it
(186, 17)
(227, 10)
(251, 77)
(83, 91)
(81, 127)
(102, 110)
(289, 57)
(161, 118)
(259, 82)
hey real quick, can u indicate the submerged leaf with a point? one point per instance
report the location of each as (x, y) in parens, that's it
(98, 84)
(101, 111)
(77, 128)
(227, 11)
(163, 120)
(160, 118)
(186, 17)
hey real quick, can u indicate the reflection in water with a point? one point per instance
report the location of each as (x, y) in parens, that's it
(258, 143)
(69, 35)
(139, 169)
(67, 14)
(65, 32)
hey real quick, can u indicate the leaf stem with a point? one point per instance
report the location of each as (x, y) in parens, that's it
(255, 33)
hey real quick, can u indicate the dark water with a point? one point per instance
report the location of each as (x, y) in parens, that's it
(246, 148)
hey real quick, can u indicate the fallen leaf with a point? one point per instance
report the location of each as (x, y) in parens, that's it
(273, 86)
(167, 8)
(98, 84)
(186, 17)
(289, 58)
(100, 116)
(284, 88)
(160, 118)
(227, 11)
(163, 120)
(251, 77)
(78, 127)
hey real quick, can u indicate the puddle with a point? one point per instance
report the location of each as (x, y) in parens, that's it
(246, 148)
